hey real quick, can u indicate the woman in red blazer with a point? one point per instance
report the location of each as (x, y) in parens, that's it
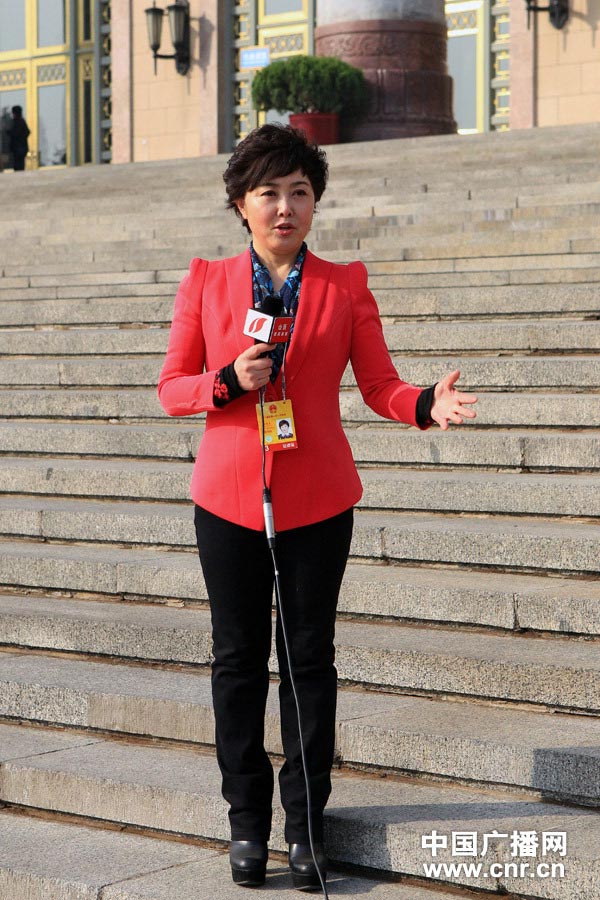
(273, 181)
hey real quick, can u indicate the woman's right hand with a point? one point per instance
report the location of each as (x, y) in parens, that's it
(252, 371)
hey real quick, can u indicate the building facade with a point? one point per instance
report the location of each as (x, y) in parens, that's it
(55, 64)
(83, 72)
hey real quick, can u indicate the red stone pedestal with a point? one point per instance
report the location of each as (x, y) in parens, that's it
(321, 128)
(405, 64)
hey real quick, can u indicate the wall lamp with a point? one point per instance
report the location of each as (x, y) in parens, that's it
(179, 24)
(558, 10)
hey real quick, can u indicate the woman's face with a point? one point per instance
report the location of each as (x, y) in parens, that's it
(279, 214)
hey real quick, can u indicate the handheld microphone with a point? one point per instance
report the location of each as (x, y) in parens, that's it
(267, 325)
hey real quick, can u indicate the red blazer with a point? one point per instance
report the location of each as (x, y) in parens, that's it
(337, 321)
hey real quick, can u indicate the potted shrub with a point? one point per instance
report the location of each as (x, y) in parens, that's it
(315, 90)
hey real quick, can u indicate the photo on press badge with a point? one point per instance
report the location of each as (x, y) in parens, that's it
(284, 431)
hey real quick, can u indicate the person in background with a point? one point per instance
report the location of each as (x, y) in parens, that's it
(273, 181)
(17, 139)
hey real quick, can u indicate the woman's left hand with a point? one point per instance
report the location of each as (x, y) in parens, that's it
(448, 402)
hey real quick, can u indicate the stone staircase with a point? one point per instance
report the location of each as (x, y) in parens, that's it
(468, 640)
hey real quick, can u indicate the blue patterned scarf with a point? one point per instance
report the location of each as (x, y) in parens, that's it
(262, 287)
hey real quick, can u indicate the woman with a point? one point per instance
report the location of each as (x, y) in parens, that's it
(273, 181)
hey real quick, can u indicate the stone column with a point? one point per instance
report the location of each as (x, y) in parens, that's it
(121, 64)
(522, 67)
(401, 47)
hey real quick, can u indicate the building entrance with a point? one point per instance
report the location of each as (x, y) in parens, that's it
(50, 57)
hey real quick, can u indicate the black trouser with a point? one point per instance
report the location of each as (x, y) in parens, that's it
(19, 161)
(238, 572)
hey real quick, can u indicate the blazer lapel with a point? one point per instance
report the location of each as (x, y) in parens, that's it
(238, 274)
(315, 278)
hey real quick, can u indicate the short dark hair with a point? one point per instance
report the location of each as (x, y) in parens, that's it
(272, 151)
(17, 110)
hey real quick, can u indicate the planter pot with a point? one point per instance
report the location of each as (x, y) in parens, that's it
(321, 128)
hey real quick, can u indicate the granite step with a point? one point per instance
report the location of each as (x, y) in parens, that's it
(439, 594)
(124, 291)
(427, 297)
(377, 823)
(504, 542)
(528, 336)
(550, 495)
(571, 268)
(561, 673)
(518, 449)
(477, 372)
(176, 258)
(555, 754)
(495, 213)
(493, 262)
(457, 302)
(498, 409)
(514, 249)
(92, 310)
(525, 408)
(370, 205)
(58, 860)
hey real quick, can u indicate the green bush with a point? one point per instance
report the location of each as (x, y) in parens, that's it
(303, 84)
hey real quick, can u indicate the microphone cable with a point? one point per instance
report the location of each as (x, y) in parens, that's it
(270, 533)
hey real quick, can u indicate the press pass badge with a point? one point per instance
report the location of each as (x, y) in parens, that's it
(270, 329)
(280, 430)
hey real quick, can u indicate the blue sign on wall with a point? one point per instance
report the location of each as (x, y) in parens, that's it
(254, 57)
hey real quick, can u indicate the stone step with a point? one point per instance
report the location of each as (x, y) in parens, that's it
(64, 861)
(453, 301)
(480, 303)
(517, 449)
(524, 408)
(488, 213)
(491, 270)
(370, 201)
(78, 294)
(500, 262)
(462, 246)
(497, 409)
(551, 495)
(477, 372)
(503, 542)
(445, 595)
(408, 224)
(178, 790)
(412, 300)
(66, 277)
(372, 196)
(498, 231)
(97, 342)
(557, 672)
(411, 734)
(562, 336)
(511, 267)
(88, 311)
(204, 197)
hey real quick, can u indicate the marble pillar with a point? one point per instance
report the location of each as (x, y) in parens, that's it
(401, 45)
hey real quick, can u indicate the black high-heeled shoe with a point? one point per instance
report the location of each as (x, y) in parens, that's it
(304, 873)
(248, 862)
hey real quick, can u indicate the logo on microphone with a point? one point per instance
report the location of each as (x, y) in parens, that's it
(257, 324)
(263, 327)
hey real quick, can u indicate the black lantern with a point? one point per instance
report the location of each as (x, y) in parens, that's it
(557, 9)
(179, 26)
